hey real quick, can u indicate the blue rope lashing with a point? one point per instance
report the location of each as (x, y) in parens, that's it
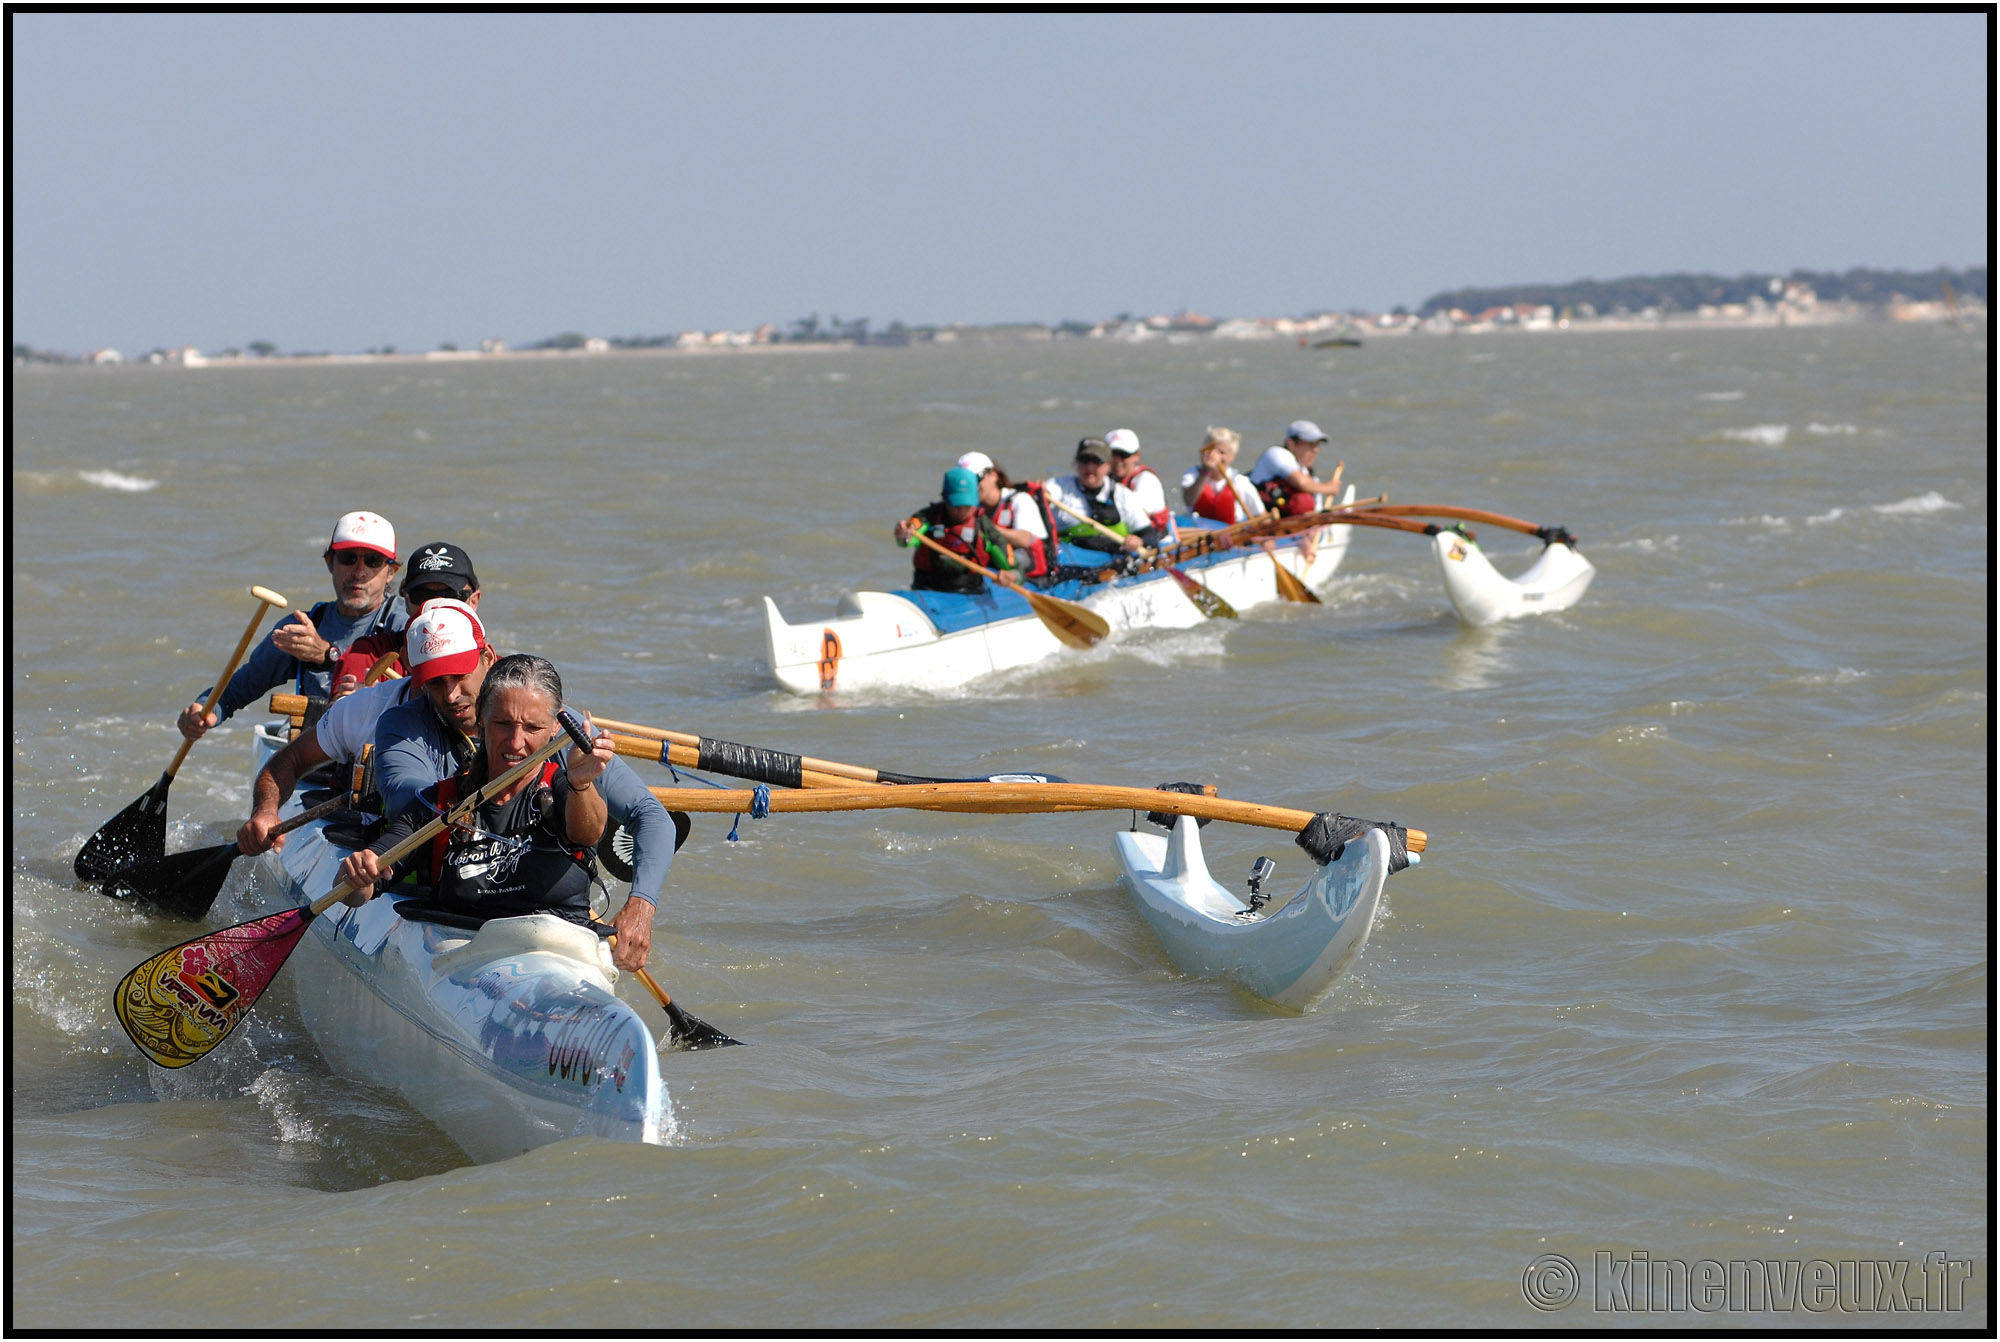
(760, 806)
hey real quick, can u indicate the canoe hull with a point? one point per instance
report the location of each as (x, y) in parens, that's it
(1289, 954)
(886, 640)
(1483, 595)
(507, 1039)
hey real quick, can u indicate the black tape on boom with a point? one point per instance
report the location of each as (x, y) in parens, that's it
(1327, 835)
(774, 767)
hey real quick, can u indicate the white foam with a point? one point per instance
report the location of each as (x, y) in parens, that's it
(1762, 520)
(131, 484)
(1719, 396)
(1831, 430)
(1833, 515)
(1932, 502)
(1764, 435)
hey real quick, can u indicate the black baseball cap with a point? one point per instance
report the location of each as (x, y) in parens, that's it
(440, 562)
(1092, 449)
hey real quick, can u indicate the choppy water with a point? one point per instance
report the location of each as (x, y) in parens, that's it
(1696, 966)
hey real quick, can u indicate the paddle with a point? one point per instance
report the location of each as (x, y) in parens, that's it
(181, 1003)
(1075, 625)
(690, 1032)
(1547, 535)
(185, 884)
(139, 832)
(1005, 799)
(778, 768)
(1207, 602)
(1289, 585)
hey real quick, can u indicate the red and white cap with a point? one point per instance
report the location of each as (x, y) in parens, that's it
(364, 531)
(443, 641)
(976, 462)
(1123, 441)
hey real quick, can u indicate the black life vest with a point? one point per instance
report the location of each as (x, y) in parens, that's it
(986, 544)
(528, 870)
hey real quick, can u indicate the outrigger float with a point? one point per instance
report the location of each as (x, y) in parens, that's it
(937, 640)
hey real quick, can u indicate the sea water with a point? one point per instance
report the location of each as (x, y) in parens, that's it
(1695, 970)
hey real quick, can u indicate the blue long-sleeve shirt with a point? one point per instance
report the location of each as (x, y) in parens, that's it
(267, 668)
(413, 751)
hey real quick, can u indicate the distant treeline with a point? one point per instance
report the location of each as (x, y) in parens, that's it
(1688, 292)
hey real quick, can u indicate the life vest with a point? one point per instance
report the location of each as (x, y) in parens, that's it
(1037, 554)
(1218, 502)
(1163, 520)
(497, 878)
(1103, 511)
(1281, 498)
(975, 538)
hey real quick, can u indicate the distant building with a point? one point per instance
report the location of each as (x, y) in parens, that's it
(107, 356)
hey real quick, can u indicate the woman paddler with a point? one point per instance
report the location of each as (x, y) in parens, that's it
(531, 849)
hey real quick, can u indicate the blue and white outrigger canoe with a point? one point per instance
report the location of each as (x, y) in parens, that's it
(507, 1038)
(1290, 952)
(940, 640)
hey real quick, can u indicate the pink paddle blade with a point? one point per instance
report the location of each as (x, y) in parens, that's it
(186, 1000)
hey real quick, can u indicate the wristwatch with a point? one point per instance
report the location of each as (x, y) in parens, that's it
(332, 658)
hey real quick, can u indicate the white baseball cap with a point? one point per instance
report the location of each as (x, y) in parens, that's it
(1123, 441)
(1305, 431)
(976, 462)
(364, 531)
(443, 641)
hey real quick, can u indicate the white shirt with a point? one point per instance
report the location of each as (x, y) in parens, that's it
(1149, 492)
(1018, 512)
(1277, 463)
(1247, 497)
(349, 721)
(1071, 491)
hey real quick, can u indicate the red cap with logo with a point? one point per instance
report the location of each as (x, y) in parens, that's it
(443, 641)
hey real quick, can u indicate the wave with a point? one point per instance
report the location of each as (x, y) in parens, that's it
(130, 484)
(1764, 435)
(1830, 430)
(1932, 502)
(1719, 396)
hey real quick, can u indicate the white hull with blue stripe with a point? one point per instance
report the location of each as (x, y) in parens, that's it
(938, 641)
(1287, 953)
(507, 1039)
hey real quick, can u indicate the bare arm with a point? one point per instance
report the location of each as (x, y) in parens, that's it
(273, 784)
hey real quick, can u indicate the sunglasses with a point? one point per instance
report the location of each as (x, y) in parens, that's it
(349, 558)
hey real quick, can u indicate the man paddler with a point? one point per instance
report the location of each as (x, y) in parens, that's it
(305, 646)
(956, 523)
(433, 734)
(349, 722)
(1144, 483)
(1091, 490)
(1284, 478)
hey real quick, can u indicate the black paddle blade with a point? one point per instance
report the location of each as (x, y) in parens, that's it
(689, 1032)
(136, 834)
(617, 849)
(181, 884)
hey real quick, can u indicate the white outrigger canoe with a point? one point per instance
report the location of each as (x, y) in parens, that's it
(940, 640)
(507, 1038)
(1289, 953)
(1482, 595)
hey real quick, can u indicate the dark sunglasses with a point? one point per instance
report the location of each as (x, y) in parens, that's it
(349, 558)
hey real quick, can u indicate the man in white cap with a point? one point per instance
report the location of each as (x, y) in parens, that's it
(1283, 475)
(430, 735)
(305, 646)
(1143, 481)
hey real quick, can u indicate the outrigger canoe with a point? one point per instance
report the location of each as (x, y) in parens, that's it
(508, 1037)
(1288, 953)
(940, 640)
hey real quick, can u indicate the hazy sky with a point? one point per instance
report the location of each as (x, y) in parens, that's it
(346, 181)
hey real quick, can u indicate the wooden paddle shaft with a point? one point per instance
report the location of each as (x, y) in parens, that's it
(1006, 798)
(380, 670)
(265, 597)
(1085, 517)
(1059, 617)
(687, 757)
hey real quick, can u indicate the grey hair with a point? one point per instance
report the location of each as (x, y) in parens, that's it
(521, 671)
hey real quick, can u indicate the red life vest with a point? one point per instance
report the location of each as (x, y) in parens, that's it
(973, 538)
(1281, 498)
(1036, 554)
(1218, 502)
(1162, 520)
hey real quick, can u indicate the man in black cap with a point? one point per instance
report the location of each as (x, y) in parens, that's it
(439, 569)
(1092, 491)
